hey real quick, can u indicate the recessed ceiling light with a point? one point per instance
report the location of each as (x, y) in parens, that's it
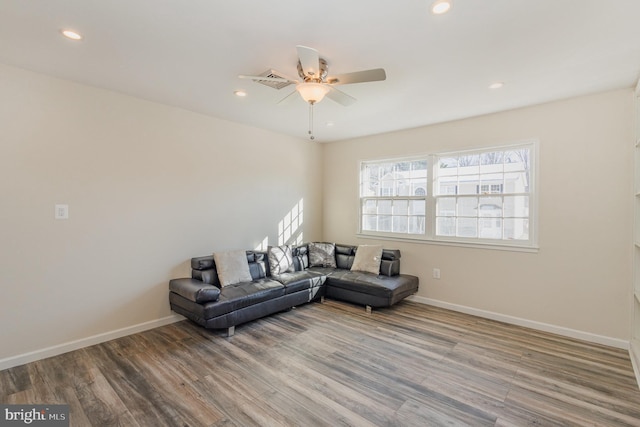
(70, 34)
(441, 6)
(496, 85)
(329, 124)
(240, 93)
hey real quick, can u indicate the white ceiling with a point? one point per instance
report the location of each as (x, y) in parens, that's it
(188, 53)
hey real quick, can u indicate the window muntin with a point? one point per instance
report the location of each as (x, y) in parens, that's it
(481, 196)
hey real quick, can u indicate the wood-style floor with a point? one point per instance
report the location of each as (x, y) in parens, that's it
(332, 364)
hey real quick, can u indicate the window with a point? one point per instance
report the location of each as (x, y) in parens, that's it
(393, 197)
(481, 196)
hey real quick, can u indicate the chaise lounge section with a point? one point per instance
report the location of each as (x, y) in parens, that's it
(285, 277)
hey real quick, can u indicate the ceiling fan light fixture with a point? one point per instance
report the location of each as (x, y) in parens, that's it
(441, 6)
(312, 92)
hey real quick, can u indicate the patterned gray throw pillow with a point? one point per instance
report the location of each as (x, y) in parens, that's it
(280, 259)
(322, 255)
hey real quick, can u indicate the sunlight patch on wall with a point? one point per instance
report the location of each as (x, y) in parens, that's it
(262, 246)
(290, 227)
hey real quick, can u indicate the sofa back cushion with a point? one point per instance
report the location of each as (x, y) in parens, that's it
(258, 267)
(300, 257)
(345, 255)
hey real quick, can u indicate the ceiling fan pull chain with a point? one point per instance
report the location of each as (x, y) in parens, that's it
(311, 137)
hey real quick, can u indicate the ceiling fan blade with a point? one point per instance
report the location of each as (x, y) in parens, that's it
(373, 75)
(340, 97)
(287, 98)
(267, 79)
(310, 61)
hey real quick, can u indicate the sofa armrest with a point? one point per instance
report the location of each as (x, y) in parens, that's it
(194, 290)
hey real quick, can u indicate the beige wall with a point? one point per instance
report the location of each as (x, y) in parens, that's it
(148, 187)
(580, 278)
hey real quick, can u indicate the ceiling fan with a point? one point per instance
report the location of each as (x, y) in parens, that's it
(316, 82)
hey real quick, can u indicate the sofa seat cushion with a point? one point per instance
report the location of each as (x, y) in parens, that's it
(376, 285)
(327, 271)
(244, 294)
(300, 280)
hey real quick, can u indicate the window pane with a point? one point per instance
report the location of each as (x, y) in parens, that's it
(468, 164)
(384, 206)
(490, 207)
(517, 160)
(516, 206)
(446, 226)
(489, 181)
(490, 228)
(492, 158)
(468, 206)
(369, 207)
(448, 186)
(516, 229)
(416, 225)
(516, 182)
(403, 187)
(467, 227)
(401, 207)
(400, 224)
(418, 187)
(419, 169)
(384, 223)
(468, 184)
(417, 207)
(448, 166)
(446, 206)
(369, 222)
(386, 186)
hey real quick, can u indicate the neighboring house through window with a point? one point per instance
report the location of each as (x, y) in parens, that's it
(481, 196)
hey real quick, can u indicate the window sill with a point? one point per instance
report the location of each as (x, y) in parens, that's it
(474, 245)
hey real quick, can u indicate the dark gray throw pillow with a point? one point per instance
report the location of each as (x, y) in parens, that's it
(322, 255)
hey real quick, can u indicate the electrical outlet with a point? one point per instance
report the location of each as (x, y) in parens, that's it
(436, 273)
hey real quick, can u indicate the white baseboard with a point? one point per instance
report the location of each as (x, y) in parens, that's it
(559, 330)
(55, 350)
(634, 353)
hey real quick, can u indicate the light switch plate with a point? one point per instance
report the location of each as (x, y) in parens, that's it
(62, 212)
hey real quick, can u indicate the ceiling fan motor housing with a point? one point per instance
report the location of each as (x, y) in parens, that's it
(324, 70)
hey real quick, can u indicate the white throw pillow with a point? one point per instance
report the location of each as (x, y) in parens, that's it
(367, 259)
(232, 267)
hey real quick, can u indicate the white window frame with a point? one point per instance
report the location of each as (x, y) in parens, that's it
(431, 198)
